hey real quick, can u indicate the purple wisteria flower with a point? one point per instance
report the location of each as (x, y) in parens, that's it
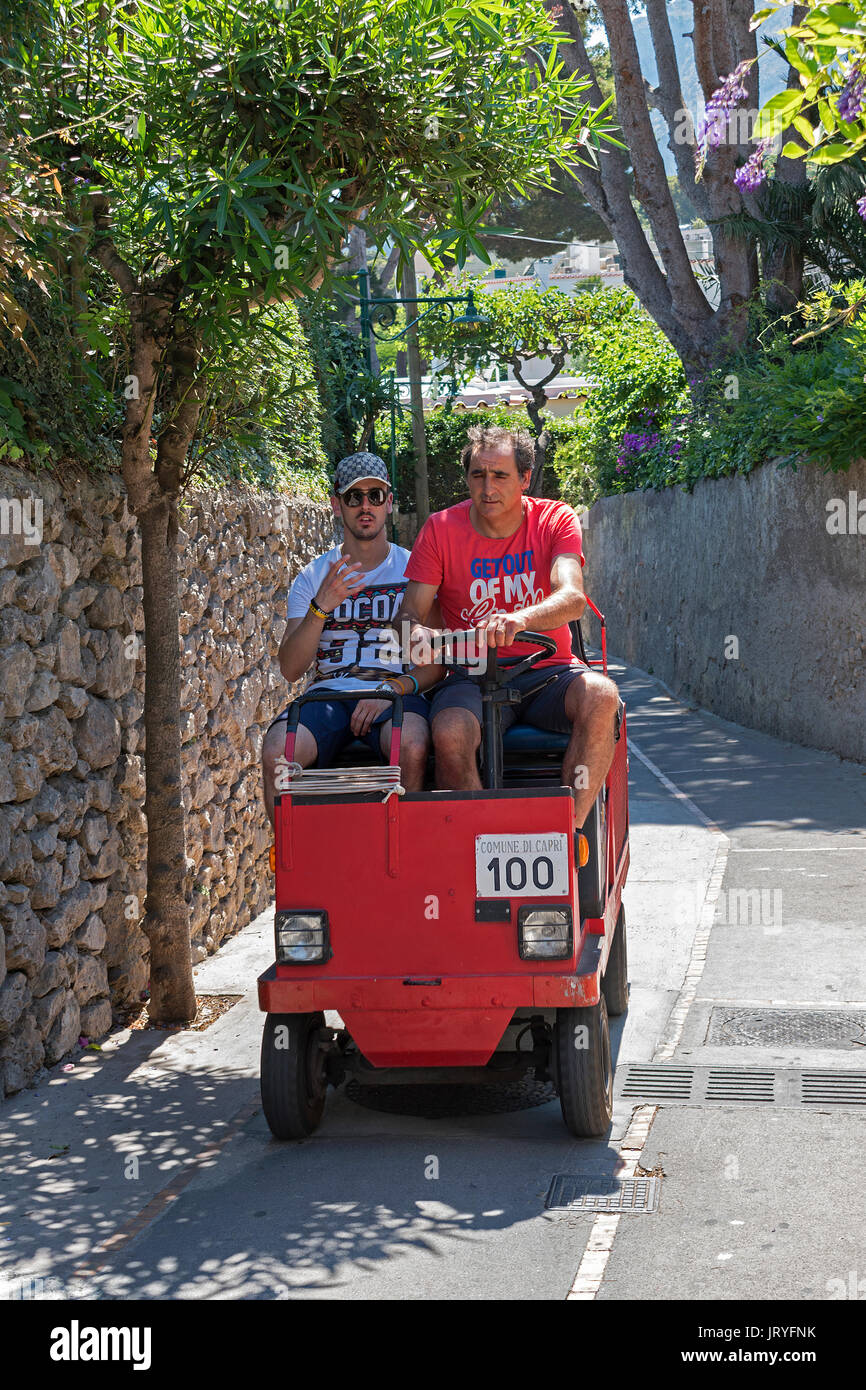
(721, 106)
(852, 99)
(861, 207)
(753, 173)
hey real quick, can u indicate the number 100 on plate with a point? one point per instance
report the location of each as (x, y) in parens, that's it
(521, 866)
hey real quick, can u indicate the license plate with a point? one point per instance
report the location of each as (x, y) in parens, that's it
(521, 866)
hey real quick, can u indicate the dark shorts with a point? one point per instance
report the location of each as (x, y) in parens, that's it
(329, 723)
(546, 709)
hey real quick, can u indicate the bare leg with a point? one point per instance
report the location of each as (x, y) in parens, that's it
(456, 738)
(591, 704)
(414, 746)
(273, 747)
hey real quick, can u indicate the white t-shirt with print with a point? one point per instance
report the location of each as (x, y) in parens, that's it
(356, 633)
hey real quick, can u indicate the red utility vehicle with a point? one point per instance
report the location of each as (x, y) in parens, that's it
(459, 935)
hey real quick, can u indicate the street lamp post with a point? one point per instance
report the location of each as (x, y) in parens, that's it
(378, 317)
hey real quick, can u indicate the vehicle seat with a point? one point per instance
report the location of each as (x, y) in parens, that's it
(526, 738)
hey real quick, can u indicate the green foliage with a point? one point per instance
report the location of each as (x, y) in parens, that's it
(797, 404)
(446, 433)
(638, 390)
(54, 403)
(522, 322)
(800, 402)
(825, 49)
(352, 396)
(262, 422)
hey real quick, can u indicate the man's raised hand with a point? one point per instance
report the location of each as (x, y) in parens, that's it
(343, 580)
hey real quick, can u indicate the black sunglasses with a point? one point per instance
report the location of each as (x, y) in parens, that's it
(355, 496)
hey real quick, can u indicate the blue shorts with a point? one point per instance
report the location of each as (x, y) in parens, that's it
(546, 709)
(329, 723)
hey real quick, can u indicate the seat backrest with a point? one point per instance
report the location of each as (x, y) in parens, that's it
(577, 644)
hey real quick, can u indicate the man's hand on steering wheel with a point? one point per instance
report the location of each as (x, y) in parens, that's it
(500, 629)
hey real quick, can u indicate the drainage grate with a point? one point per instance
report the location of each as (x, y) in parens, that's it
(660, 1083)
(785, 1028)
(629, 1196)
(665, 1082)
(834, 1088)
(729, 1083)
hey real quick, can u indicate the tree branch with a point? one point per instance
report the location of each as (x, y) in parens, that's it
(668, 97)
(651, 184)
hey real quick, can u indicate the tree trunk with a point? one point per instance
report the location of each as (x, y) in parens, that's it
(167, 919)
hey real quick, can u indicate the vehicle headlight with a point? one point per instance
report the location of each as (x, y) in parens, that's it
(301, 937)
(544, 933)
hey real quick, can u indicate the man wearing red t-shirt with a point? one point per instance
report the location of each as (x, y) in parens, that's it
(503, 563)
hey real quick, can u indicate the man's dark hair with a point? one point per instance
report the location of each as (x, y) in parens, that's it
(496, 437)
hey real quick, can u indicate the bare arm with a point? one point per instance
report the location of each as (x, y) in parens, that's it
(301, 637)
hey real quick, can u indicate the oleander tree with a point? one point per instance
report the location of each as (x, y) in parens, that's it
(214, 158)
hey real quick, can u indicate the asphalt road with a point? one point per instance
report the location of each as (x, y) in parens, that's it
(148, 1171)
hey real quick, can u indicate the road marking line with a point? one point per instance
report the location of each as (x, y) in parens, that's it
(163, 1198)
(672, 787)
(587, 1280)
(592, 1268)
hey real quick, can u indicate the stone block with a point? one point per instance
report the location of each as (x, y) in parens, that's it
(21, 1056)
(46, 1008)
(115, 670)
(74, 907)
(92, 935)
(14, 997)
(44, 689)
(26, 775)
(17, 666)
(65, 1032)
(45, 892)
(74, 602)
(96, 1019)
(25, 939)
(97, 734)
(92, 978)
(67, 660)
(106, 610)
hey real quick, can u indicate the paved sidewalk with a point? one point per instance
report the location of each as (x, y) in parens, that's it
(761, 1202)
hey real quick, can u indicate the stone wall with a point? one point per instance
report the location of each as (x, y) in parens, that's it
(72, 828)
(747, 596)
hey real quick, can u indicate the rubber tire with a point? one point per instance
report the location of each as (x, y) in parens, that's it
(614, 982)
(584, 1076)
(293, 1099)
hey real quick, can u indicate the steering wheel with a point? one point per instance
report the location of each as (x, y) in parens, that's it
(511, 665)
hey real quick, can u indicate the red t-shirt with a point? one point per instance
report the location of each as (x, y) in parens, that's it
(478, 575)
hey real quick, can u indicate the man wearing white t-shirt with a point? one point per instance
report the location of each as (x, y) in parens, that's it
(339, 613)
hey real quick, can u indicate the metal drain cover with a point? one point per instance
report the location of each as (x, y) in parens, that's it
(444, 1102)
(661, 1083)
(630, 1195)
(785, 1028)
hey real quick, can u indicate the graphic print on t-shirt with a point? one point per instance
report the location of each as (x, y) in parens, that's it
(356, 632)
(476, 576)
(352, 637)
(505, 582)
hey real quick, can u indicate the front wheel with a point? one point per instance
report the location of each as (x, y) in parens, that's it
(584, 1069)
(293, 1081)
